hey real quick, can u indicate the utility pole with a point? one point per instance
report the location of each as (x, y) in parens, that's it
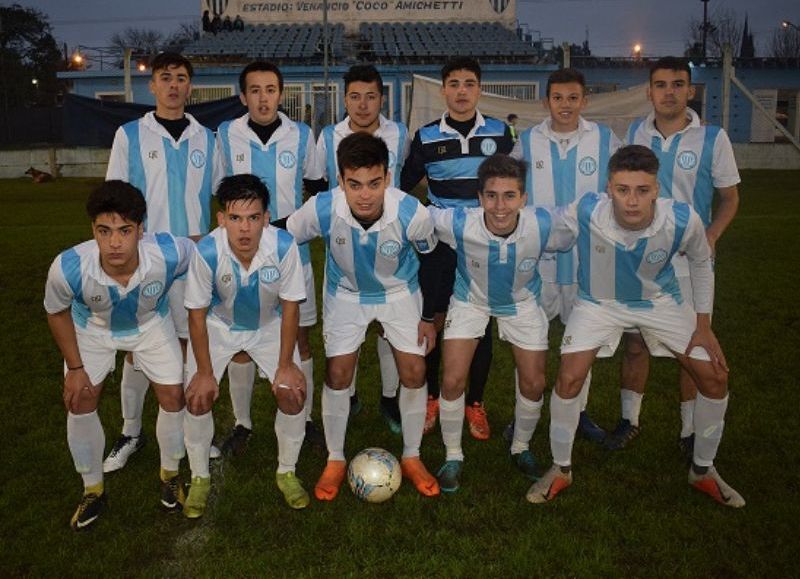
(706, 26)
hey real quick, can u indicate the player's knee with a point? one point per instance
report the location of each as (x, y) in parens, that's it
(412, 373)
(531, 387)
(338, 377)
(170, 398)
(714, 386)
(569, 384)
(288, 403)
(453, 385)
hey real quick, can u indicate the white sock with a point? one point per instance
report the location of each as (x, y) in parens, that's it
(584, 395)
(132, 389)
(169, 432)
(526, 417)
(709, 422)
(290, 429)
(307, 367)
(687, 418)
(240, 379)
(197, 433)
(413, 403)
(390, 379)
(86, 442)
(564, 416)
(631, 405)
(335, 410)
(451, 419)
(351, 391)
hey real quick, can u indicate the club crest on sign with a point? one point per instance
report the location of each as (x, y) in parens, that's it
(687, 160)
(198, 158)
(153, 289)
(217, 6)
(390, 248)
(499, 6)
(269, 274)
(587, 166)
(287, 159)
(488, 147)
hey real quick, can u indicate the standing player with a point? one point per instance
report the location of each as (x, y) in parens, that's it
(243, 292)
(448, 152)
(364, 98)
(167, 155)
(567, 156)
(626, 241)
(371, 232)
(266, 143)
(106, 295)
(498, 247)
(695, 160)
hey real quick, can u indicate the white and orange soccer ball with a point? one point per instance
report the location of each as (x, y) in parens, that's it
(374, 475)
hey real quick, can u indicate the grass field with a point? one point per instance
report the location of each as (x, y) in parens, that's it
(628, 514)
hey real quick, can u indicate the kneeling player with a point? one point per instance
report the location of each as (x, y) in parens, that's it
(498, 247)
(110, 294)
(243, 292)
(370, 230)
(626, 241)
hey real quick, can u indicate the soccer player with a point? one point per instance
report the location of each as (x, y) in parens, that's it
(498, 247)
(626, 240)
(371, 232)
(243, 292)
(266, 143)
(567, 156)
(110, 294)
(167, 155)
(696, 160)
(448, 152)
(364, 98)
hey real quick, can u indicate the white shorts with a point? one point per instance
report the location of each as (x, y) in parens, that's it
(308, 308)
(156, 350)
(344, 324)
(527, 329)
(666, 327)
(177, 309)
(557, 300)
(262, 345)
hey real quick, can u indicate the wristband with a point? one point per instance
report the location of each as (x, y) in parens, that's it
(75, 368)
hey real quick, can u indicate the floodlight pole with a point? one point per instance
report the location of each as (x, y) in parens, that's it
(705, 26)
(326, 39)
(126, 65)
(727, 73)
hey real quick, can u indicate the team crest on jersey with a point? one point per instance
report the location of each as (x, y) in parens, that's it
(656, 256)
(526, 265)
(488, 147)
(153, 289)
(687, 160)
(587, 166)
(499, 6)
(226, 278)
(389, 248)
(287, 159)
(269, 274)
(540, 164)
(198, 158)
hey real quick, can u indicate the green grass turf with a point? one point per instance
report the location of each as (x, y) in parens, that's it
(628, 514)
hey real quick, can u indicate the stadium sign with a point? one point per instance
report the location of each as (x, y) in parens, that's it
(353, 12)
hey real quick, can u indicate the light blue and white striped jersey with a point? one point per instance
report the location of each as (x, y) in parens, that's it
(693, 162)
(493, 272)
(175, 177)
(394, 134)
(635, 267)
(102, 306)
(245, 299)
(558, 176)
(373, 266)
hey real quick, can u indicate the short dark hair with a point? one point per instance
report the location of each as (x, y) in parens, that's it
(633, 158)
(166, 60)
(512, 117)
(117, 197)
(243, 187)
(461, 63)
(361, 150)
(564, 76)
(260, 66)
(363, 73)
(671, 63)
(502, 166)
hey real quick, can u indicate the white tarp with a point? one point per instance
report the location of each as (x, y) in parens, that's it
(615, 109)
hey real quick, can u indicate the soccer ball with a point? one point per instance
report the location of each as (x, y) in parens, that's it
(374, 475)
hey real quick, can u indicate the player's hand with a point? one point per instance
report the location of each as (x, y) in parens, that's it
(712, 242)
(291, 378)
(426, 336)
(77, 384)
(201, 394)
(704, 337)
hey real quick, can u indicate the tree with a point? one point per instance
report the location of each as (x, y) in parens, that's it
(28, 51)
(182, 37)
(145, 42)
(785, 43)
(725, 28)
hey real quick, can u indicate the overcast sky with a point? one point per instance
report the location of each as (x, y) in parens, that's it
(614, 26)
